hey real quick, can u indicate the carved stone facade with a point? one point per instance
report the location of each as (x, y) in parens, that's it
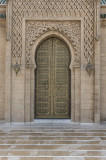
(30, 22)
(70, 29)
(55, 9)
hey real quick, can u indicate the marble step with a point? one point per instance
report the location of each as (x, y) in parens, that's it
(53, 130)
(52, 143)
(53, 158)
(51, 126)
(57, 147)
(90, 142)
(51, 153)
(53, 138)
(53, 134)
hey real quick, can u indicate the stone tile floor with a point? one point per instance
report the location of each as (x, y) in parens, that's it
(52, 141)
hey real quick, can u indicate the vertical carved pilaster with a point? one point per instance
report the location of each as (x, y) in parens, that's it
(97, 62)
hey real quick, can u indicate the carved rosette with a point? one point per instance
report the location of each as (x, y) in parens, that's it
(70, 29)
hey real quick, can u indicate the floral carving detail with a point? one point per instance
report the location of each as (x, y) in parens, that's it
(71, 29)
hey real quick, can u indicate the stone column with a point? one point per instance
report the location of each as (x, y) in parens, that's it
(72, 95)
(97, 62)
(77, 94)
(27, 95)
(8, 78)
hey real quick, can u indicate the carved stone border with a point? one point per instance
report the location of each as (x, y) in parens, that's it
(69, 28)
(29, 50)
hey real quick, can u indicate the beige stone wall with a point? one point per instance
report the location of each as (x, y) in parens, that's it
(2, 64)
(103, 65)
(87, 97)
(18, 90)
(29, 23)
(27, 32)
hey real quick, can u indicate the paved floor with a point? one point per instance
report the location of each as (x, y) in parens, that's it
(52, 141)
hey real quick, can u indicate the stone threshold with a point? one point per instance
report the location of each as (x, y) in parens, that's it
(53, 121)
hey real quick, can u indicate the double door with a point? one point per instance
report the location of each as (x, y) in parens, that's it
(52, 80)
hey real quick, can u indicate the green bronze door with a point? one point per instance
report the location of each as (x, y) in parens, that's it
(52, 80)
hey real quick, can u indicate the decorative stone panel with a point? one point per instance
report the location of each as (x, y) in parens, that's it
(56, 9)
(71, 29)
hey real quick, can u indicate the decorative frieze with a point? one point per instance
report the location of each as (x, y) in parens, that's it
(56, 9)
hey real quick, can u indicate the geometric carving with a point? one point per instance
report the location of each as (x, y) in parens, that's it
(61, 9)
(71, 29)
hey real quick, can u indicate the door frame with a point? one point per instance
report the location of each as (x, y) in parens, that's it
(75, 75)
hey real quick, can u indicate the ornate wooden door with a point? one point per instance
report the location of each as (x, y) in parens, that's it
(52, 80)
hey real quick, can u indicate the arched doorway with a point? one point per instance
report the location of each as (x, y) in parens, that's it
(52, 79)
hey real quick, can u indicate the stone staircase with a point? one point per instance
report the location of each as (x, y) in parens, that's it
(52, 142)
